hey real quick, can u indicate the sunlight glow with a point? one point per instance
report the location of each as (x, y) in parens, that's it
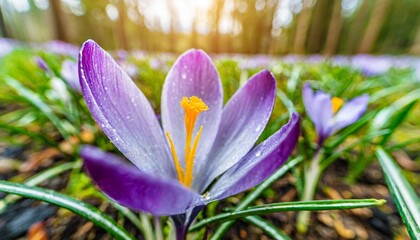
(159, 14)
(20, 5)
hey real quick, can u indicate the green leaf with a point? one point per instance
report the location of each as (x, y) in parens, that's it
(37, 102)
(220, 231)
(80, 208)
(332, 144)
(271, 230)
(317, 205)
(39, 178)
(286, 101)
(396, 121)
(381, 119)
(408, 203)
(17, 130)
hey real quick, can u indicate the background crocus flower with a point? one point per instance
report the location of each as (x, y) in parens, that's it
(372, 65)
(60, 48)
(7, 45)
(69, 72)
(204, 140)
(330, 114)
(42, 64)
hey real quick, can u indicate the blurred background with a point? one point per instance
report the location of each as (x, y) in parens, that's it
(327, 27)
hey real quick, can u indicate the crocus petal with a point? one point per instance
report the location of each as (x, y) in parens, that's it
(135, 189)
(259, 163)
(308, 99)
(323, 113)
(193, 74)
(122, 111)
(243, 120)
(318, 107)
(349, 113)
(69, 71)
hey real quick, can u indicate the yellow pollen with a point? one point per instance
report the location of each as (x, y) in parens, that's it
(336, 104)
(193, 106)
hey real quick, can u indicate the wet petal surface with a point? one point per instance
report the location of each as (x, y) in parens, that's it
(243, 120)
(122, 111)
(135, 189)
(259, 163)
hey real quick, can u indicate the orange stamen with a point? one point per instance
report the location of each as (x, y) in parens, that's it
(336, 104)
(193, 106)
(189, 165)
(178, 167)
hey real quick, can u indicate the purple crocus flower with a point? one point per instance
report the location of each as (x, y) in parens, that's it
(7, 45)
(69, 72)
(372, 65)
(330, 114)
(61, 48)
(41, 64)
(172, 173)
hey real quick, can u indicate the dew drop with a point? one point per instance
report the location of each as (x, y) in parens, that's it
(183, 75)
(257, 154)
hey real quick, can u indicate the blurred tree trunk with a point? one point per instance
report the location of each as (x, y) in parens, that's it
(59, 20)
(219, 5)
(121, 31)
(268, 26)
(302, 27)
(374, 26)
(415, 48)
(172, 34)
(3, 29)
(334, 30)
(318, 27)
(358, 24)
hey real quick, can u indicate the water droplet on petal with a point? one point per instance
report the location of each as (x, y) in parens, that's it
(183, 75)
(258, 153)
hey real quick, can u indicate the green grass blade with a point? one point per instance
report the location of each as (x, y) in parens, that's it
(317, 205)
(37, 102)
(396, 121)
(80, 208)
(350, 130)
(221, 230)
(17, 130)
(39, 178)
(403, 144)
(381, 119)
(408, 203)
(269, 229)
(286, 101)
(51, 172)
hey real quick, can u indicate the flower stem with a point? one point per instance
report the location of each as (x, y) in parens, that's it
(158, 229)
(312, 174)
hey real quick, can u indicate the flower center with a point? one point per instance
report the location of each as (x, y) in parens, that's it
(192, 107)
(336, 104)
